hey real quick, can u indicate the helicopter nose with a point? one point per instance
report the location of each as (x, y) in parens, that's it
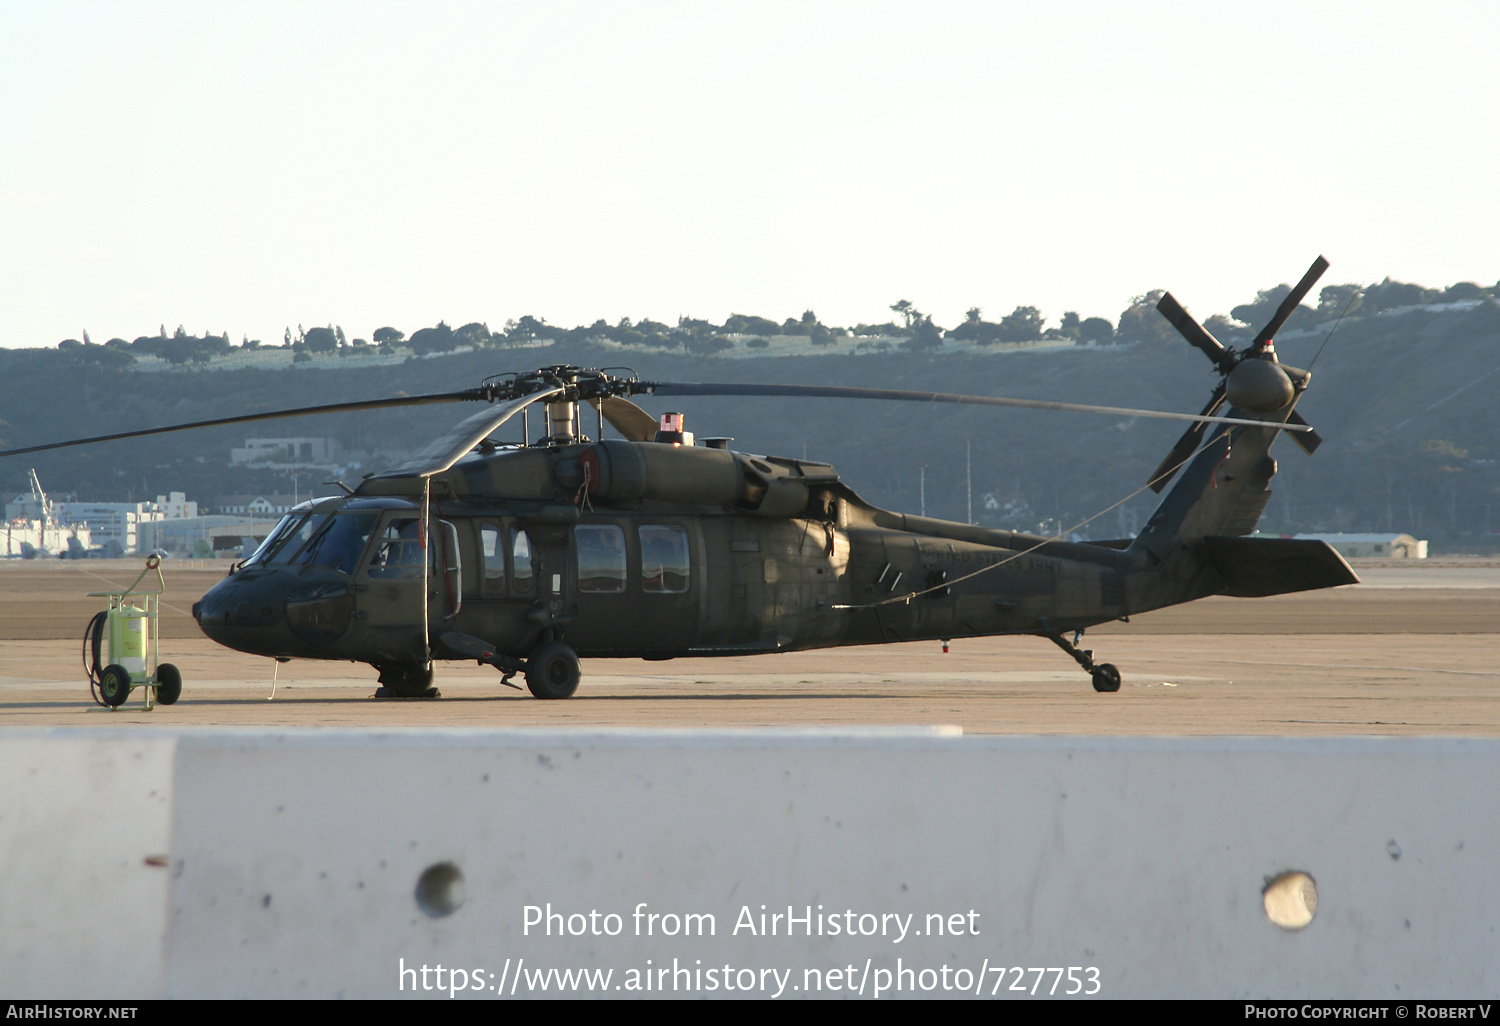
(242, 601)
(252, 611)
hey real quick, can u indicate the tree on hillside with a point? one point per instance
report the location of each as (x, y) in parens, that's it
(908, 313)
(527, 329)
(473, 334)
(1333, 300)
(707, 345)
(387, 335)
(925, 335)
(1227, 331)
(1095, 329)
(1022, 324)
(1141, 322)
(1458, 292)
(1390, 294)
(748, 324)
(975, 329)
(1263, 307)
(320, 340)
(437, 339)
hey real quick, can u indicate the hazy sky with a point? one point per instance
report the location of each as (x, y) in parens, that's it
(248, 166)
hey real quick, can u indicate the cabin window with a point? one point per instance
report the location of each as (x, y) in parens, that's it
(664, 559)
(601, 557)
(494, 556)
(520, 553)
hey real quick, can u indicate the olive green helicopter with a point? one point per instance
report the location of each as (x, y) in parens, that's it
(528, 556)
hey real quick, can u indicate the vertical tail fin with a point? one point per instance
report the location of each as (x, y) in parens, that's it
(1222, 491)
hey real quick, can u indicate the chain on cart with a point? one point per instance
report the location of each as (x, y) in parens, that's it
(127, 631)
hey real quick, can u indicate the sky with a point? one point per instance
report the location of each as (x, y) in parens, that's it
(248, 167)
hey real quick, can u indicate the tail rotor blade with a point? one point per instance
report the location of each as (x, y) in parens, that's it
(1307, 440)
(1194, 332)
(1290, 304)
(1187, 444)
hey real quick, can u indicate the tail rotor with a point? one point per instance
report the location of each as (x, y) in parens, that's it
(1253, 379)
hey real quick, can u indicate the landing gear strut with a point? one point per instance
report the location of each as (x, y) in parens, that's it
(1106, 677)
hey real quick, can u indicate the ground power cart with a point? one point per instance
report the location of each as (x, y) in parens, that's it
(128, 633)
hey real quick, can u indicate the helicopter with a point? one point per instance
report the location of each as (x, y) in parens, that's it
(528, 557)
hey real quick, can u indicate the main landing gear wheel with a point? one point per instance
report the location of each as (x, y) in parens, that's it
(168, 684)
(1106, 677)
(114, 685)
(406, 680)
(553, 671)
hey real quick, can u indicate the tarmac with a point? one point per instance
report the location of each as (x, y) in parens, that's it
(1410, 652)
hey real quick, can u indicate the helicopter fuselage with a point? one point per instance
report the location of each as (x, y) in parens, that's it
(651, 576)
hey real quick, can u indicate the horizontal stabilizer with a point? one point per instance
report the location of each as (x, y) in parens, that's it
(1255, 567)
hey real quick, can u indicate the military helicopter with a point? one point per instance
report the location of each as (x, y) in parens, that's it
(528, 556)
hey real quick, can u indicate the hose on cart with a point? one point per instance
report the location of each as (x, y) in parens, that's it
(93, 640)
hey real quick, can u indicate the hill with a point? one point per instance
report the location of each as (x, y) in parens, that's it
(1404, 399)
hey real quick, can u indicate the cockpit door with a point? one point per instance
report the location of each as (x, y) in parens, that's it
(390, 584)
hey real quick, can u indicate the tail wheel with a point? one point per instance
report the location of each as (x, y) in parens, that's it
(168, 684)
(1106, 677)
(114, 685)
(553, 671)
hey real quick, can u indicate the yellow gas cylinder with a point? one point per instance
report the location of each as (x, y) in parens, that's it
(127, 638)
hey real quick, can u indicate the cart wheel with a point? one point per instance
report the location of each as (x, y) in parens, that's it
(168, 684)
(114, 685)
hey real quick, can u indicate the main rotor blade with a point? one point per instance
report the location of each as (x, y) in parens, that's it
(1194, 332)
(368, 404)
(627, 418)
(1289, 304)
(441, 453)
(839, 392)
(1187, 444)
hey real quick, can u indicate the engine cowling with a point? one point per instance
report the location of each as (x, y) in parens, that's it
(620, 471)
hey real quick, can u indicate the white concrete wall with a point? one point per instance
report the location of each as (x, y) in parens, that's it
(82, 913)
(295, 859)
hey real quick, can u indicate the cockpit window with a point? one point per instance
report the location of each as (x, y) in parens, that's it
(338, 542)
(277, 538)
(398, 552)
(332, 540)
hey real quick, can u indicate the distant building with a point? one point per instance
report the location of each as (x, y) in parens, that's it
(289, 453)
(111, 526)
(273, 505)
(1374, 546)
(175, 506)
(27, 538)
(231, 537)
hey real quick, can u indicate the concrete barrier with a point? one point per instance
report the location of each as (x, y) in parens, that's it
(744, 863)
